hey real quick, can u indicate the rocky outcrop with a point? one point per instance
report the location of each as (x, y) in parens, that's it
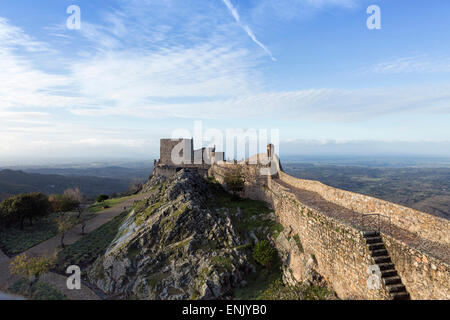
(171, 246)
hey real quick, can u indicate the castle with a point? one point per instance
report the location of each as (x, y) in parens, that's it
(177, 154)
(348, 238)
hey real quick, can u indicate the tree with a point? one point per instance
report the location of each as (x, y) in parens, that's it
(7, 215)
(102, 197)
(265, 254)
(135, 186)
(31, 267)
(24, 206)
(76, 197)
(61, 203)
(65, 223)
(74, 194)
(81, 220)
(234, 180)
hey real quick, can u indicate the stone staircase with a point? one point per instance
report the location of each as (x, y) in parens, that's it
(389, 276)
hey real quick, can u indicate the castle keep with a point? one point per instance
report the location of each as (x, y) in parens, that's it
(177, 154)
(346, 237)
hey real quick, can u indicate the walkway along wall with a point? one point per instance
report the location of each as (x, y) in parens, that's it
(336, 249)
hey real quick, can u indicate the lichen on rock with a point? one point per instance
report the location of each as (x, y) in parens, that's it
(172, 246)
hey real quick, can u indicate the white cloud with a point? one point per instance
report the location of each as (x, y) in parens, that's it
(247, 29)
(22, 84)
(412, 64)
(137, 67)
(132, 78)
(321, 105)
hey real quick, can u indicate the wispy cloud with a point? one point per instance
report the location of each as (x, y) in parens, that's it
(22, 83)
(412, 64)
(319, 105)
(247, 29)
(183, 63)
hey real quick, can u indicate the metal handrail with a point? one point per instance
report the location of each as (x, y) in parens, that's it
(389, 225)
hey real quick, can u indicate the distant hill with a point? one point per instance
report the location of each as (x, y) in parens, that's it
(114, 172)
(14, 182)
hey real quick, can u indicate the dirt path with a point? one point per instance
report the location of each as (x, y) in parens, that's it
(52, 245)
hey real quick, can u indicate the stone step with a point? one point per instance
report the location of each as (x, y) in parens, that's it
(382, 259)
(389, 273)
(401, 296)
(372, 240)
(379, 253)
(376, 246)
(367, 234)
(392, 280)
(396, 288)
(386, 266)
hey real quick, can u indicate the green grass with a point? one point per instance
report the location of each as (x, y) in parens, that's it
(253, 216)
(143, 214)
(222, 263)
(87, 249)
(315, 292)
(249, 209)
(299, 243)
(39, 291)
(14, 241)
(257, 284)
(98, 206)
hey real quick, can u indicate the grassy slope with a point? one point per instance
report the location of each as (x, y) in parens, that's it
(14, 241)
(98, 206)
(39, 291)
(251, 219)
(87, 249)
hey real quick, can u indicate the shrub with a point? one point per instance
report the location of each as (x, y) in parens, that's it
(65, 223)
(299, 243)
(234, 180)
(31, 267)
(277, 290)
(61, 203)
(24, 206)
(37, 291)
(265, 254)
(102, 197)
(315, 292)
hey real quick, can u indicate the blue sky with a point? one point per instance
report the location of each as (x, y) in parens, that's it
(139, 69)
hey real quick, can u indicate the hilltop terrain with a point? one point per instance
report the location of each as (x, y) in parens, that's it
(14, 182)
(192, 240)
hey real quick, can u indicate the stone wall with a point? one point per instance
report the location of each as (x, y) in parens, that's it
(424, 276)
(337, 250)
(167, 146)
(425, 225)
